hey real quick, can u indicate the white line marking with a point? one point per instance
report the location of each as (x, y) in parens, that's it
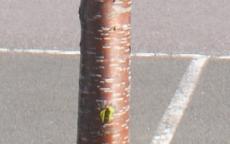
(166, 55)
(224, 57)
(179, 102)
(74, 52)
(40, 51)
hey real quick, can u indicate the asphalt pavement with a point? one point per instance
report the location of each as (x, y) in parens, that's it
(38, 92)
(196, 26)
(206, 120)
(38, 101)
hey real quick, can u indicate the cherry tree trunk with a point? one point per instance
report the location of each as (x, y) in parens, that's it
(105, 72)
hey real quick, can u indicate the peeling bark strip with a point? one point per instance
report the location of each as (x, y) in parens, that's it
(105, 72)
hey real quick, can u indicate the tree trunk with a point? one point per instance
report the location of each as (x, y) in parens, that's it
(105, 72)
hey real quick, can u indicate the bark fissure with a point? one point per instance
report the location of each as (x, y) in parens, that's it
(104, 86)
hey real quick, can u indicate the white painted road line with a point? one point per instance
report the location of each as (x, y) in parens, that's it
(138, 54)
(40, 51)
(174, 113)
(166, 55)
(224, 57)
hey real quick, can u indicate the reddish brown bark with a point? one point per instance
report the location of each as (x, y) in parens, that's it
(105, 72)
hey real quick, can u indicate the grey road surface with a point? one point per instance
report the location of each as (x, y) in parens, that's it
(207, 119)
(38, 97)
(196, 26)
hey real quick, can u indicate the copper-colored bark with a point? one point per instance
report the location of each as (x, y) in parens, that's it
(105, 72)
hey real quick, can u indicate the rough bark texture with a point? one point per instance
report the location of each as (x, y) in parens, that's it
(105, 72)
